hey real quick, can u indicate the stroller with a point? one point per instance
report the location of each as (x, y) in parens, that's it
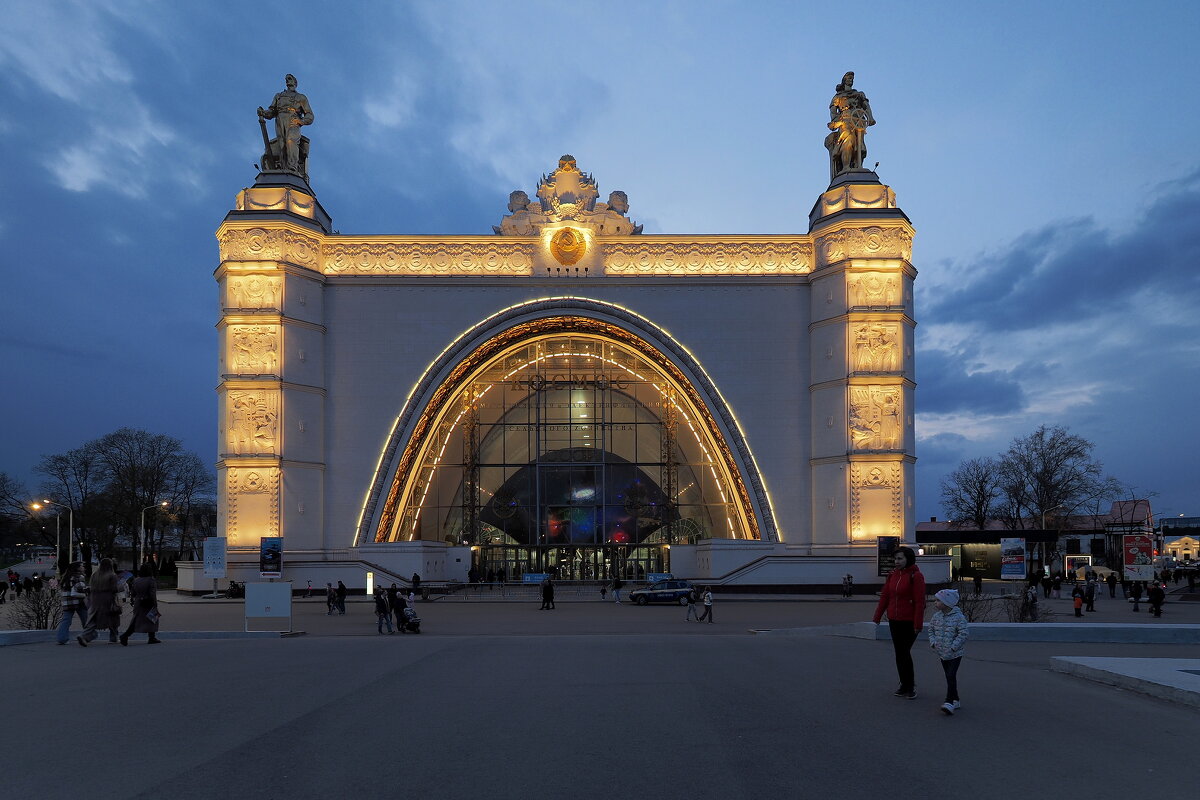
(411, 624)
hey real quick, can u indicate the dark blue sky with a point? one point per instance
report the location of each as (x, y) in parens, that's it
(1041, 150)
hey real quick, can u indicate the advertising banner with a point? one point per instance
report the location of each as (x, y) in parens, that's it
(270, 557)
(214, 557)
(1012, 559)
(1138, 555)
(887, 554)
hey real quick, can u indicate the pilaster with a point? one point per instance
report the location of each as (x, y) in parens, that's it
(861, 350)
(271, 391)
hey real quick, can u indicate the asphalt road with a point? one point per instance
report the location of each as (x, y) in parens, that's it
(556, 705)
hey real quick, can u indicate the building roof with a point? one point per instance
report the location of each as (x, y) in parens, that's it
(1122, 512)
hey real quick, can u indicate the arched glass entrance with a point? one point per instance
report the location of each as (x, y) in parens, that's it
(579, 451)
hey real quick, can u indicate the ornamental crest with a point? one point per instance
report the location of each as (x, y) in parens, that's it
(567, 194)
(568, 246)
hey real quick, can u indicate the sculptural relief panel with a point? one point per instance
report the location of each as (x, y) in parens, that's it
(875, 290)
(253, 291)
(429, 258)
(731, 257)
(254, 349)
(876, 417)
(870, 242)
(252, 422)
(252, 504)
(875, 346)
(261, 244)
(876, 499)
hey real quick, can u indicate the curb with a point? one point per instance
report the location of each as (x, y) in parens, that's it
(1099, 670)
(9, 638)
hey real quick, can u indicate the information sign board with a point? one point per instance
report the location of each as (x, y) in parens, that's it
(1012, 559)
(214, 557)
(1138, 557)
(887, 554)
(270, 557)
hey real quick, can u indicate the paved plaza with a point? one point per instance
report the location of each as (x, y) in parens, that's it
(591, 700)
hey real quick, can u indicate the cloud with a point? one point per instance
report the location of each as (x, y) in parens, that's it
(949, 382)
(100, 132)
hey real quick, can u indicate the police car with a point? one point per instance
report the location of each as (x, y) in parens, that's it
(669, 591)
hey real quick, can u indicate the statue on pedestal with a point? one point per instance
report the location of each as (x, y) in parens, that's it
(849, 117)
(288, 151)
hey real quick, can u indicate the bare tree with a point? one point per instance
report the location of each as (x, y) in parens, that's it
(1052, 469)
(35, 611)
(969, 493)
(74, 479)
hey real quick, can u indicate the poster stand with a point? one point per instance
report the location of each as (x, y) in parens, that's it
(267, 605)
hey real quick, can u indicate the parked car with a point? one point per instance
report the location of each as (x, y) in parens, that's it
(672, 591)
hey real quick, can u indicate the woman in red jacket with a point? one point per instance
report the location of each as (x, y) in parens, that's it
(903, 598)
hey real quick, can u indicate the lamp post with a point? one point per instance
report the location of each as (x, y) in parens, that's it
(70, 530)
(1044, 513)
(142, 537)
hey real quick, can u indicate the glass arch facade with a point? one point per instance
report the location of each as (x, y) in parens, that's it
(582, 453)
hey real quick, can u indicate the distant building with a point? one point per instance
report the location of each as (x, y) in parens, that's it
(1180, 537)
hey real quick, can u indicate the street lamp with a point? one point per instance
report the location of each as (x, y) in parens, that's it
(57, 537)
(1044, 553)
(142, 537)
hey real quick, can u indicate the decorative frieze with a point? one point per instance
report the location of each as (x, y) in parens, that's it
(253, 291)
(874, 290)
(876, 417)
(871, 242)
(484, 257)
(275, 244)
(644, 256)
(875, 346)
(876, 499)
(252, 419)
(254, 349)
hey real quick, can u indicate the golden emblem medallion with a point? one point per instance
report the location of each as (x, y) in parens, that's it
(568, 246)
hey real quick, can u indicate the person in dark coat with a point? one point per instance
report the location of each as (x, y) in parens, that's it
(330, 599)
(1089, 595)
(1136, 593)
(27, 585)
(1157, 597)
(104, 612)
(341, 598)
(547, 594)
(383, 610)
(144, 594)
(1111, 580)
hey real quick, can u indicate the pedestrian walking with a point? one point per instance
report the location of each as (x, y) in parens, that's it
(1089, 594)
(341, 599)
(1112, 584)
(616, 589)
(693, 597)
(948, 632)
(330, 599)
(1077, 599)
(1056, 585)
(1136, 592)
(978, 581)
(547, 594)
(383, 610)
(1157, 597)
(73, 592)
(104, 612)
(308, 591)
(707, 600)
(143, 594)
(491, 578)
(847, 585)
(903, 599)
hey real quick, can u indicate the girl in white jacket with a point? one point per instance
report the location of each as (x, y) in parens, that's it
(948, 638)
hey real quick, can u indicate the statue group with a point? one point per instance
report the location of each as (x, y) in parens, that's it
(849, 117)
(288, 151)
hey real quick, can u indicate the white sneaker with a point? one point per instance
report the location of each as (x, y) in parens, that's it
(948, 709)
(957, 705)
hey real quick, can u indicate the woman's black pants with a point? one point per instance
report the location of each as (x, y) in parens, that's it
(903, 637)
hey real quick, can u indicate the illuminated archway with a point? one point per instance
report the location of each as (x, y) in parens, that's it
(565, 420)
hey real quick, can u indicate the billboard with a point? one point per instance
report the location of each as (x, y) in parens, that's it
(1137, 554)
(270, 557)
(1012, 559)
